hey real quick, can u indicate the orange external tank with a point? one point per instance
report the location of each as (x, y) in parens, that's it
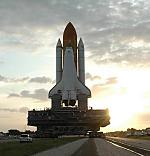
(70, 37)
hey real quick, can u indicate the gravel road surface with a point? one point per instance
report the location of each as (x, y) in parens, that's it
(64, 150)
(88, 147)
(105, 148)
(135, 142)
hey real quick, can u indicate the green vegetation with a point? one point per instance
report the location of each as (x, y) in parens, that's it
(26, 149)
(121, 134)
(140, 137)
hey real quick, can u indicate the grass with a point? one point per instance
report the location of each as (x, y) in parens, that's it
(140, 137)
(26, 149)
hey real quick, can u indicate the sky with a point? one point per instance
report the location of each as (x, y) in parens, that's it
(117, 53)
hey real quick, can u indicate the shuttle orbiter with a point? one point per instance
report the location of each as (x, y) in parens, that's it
(70, 72)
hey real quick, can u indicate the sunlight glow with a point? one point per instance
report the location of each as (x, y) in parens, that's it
(138, 44)
(127, 98)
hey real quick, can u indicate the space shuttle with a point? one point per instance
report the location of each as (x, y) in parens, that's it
(70, 88)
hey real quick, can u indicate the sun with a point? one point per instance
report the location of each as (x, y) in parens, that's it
(122, 108)
(125, 101)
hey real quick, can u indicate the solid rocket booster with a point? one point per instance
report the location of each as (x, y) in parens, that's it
(81, 64)
(58, 61)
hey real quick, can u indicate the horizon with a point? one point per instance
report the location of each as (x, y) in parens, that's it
(117, 54)
(104, 132)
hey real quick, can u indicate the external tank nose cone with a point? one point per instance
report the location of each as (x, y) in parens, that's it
(70, 35)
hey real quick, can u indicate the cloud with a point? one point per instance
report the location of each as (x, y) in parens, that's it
(24, 109)
(105, 87)
(21, 110)
(111, 80)
(2, 62)
(8, 110)
(112, 30)
(142, 119)
(2, 78)
(90, 77)
(38, 94)
(20, 79)
(40, 80)
(13, 95)
(13, 80)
